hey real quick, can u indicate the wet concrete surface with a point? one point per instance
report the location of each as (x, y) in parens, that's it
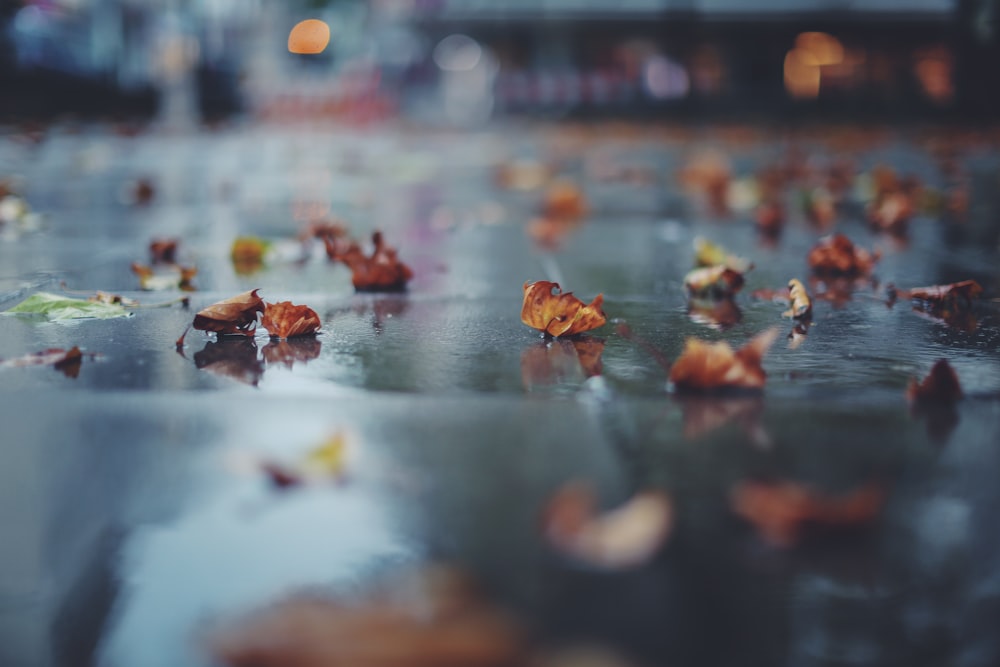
(130, 525)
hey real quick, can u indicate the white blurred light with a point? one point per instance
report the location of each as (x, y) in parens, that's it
(457, 53)
(664, 78)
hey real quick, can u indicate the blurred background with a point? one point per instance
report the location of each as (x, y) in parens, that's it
(466, 61)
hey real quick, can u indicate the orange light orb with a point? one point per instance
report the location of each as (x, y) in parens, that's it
(310, 36)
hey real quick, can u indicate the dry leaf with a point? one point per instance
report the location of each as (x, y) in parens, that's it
(431, 619)
(836, 256)
(163, 251)
(171, 276)
(237, 315)
(627, 536)
(547, 309)
(801, 307)
(715, 366)
(709, 254)
(382, 272)
(713, 282)
(284, 320)
(564, 199)
(781, 510)
(940, 387)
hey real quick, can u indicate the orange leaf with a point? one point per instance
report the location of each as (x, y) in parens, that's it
(382, 272)
(714, 366)
(285, 320)
(547, 309)
(837, 256)
(624, 537)
(235, 315)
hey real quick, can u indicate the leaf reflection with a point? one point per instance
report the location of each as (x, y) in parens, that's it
(287, 352)
(704, 414)
(234, 358)
(719, 314)
(561, 362)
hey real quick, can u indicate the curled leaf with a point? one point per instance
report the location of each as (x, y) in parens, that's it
(781, 510)
(715, 366)
(713, 282)
(247, 254)
(232, 316)
(707, 253)
(381, 272)
(432, 618)
(547, 309)
(625, 537)
(56, 307)
(953, 296)
(940, 387)
(836, 255)
(801, 305)
(172, 276)
(284, 320)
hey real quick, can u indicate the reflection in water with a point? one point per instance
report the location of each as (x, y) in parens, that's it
(798, 334)
(382, 308)
(963, 319)
(704, 414)
(561, 362)
(719, 314)
(236, 357)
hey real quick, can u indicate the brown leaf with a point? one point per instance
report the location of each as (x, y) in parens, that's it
(547, 309)
(781, 510)
(163, 251)
(431, 619)
(564, 199)
(715, 366)
(713, 282)
(836, 256)
(382, 272)
(953, 296)
(284, 320)
(940, 387)
(801, 305)
(627, 536)
(232, 316)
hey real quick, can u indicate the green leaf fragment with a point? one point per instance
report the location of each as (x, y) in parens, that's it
(56, 307)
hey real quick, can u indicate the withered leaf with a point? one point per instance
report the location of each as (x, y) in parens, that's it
(284, 320)
(171, 276)
(801, 305)
(163, 251)
(940, 387)
(708, 254)
(781, 510)
(836, 255)
(952, 296)
(716, 366)
(625, 537)
(713, 282)
(429, 619)
(382, 272)
(237, 315)
(548, 309)
(564, 199)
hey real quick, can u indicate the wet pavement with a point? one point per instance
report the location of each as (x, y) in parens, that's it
(132, 521)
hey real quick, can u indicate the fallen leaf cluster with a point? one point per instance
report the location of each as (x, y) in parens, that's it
(625, 537)
(546, 308)
(238, 315)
